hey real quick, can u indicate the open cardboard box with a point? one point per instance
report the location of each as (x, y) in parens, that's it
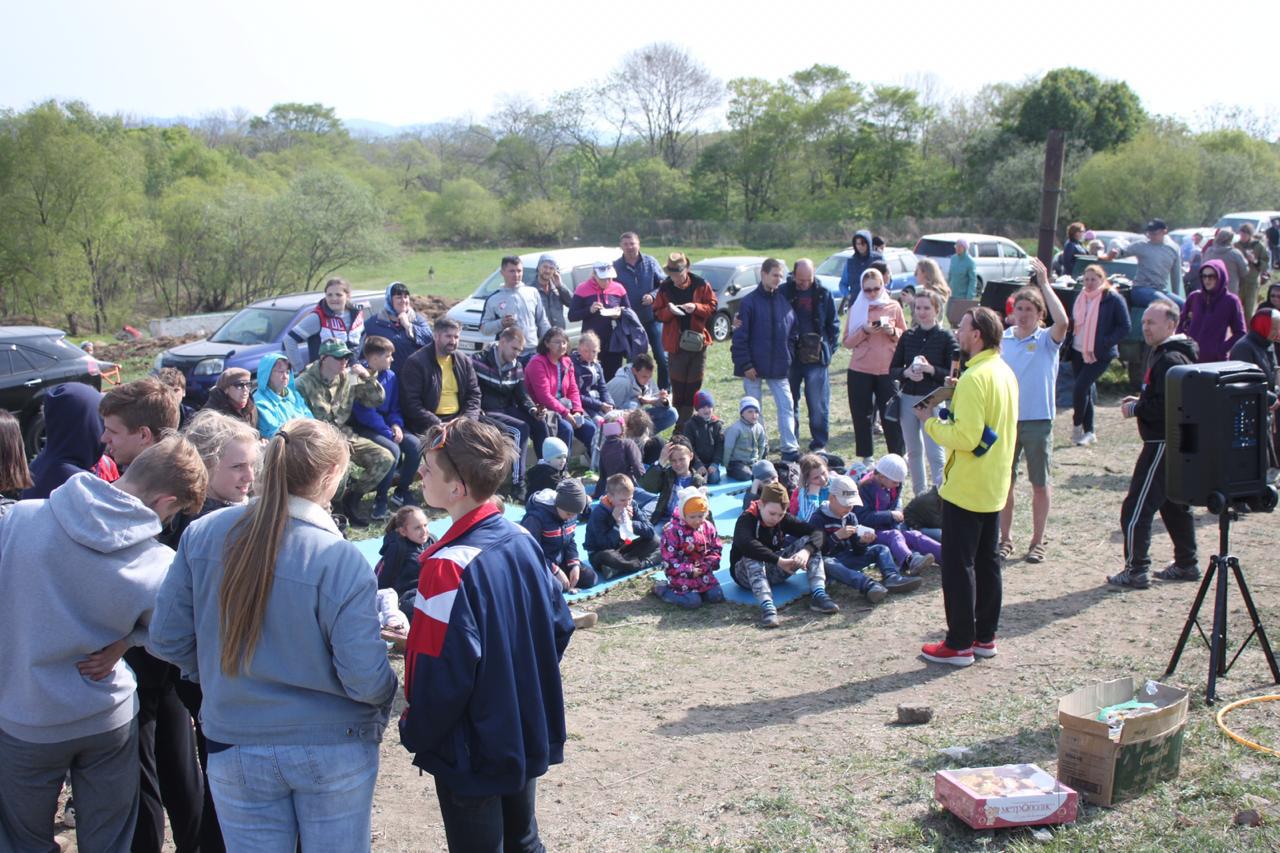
(1009, 795)
(1147, 750)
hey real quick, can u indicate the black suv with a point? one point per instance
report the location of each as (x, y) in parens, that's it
(33, 359)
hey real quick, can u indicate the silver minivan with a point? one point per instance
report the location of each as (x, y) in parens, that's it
(997, 258)
(575, 268)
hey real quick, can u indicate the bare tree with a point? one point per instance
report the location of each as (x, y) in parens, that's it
(665, 92)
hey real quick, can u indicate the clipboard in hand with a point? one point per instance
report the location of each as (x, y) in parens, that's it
(936, 398)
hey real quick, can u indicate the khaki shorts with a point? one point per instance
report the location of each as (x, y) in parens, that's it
(1035, 438)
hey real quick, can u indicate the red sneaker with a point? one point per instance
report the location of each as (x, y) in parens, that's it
(942, 653)
(985, 650)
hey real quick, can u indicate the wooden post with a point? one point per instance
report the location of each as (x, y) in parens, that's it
(1051, 191)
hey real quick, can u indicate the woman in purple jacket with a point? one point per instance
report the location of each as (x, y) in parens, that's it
(1213, 316)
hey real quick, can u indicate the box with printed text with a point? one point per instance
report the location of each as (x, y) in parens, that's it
(1009, 795)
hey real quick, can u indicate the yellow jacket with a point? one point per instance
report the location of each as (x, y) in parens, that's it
(985, 396)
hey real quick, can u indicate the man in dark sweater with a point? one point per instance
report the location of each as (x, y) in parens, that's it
(760, 556)
(1147, 490)
(818, 336)
(482, 663)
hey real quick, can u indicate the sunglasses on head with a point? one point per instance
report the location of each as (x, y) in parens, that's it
(441, 443)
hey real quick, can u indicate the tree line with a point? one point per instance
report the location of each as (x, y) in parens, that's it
(102, 217)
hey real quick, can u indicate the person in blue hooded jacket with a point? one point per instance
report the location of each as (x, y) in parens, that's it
(857, 264)
(764, 340)
(407, 330)
(277, 401)
(73, 437)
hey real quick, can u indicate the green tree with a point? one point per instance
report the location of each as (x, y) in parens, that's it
(1151, 175)
(1102, 114)
(464, 212)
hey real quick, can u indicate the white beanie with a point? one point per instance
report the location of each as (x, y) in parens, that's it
(892, 466)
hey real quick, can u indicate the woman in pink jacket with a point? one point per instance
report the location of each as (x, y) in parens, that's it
(552, 384)
(871, 332)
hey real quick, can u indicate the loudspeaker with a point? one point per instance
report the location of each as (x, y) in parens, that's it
(1215, 432)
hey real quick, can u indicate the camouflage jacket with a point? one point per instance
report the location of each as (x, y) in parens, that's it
(332, 402)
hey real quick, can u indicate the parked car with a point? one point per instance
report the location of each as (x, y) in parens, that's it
(902, 268)
(575, 268)
(34, 359)
(995, 257)
(1259, 219)
(1182, 235)
(731, 278)
(250, 334)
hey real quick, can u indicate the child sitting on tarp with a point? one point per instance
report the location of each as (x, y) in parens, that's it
(619, 541)
(672, 473)
(705, 432)
(639, 429)
(690, 554)
(850, 548)
(745, 442)
(881, 492)
(813, 487)
(552, 518)
(618, 455)
(762, 474)
(550, 469)
(759, 558)
(405, 539)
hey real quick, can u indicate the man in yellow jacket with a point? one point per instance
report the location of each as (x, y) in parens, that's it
(978, 433)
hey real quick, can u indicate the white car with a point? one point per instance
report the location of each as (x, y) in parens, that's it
(1259, 219)
(575, 268)
(902, 269)
(997, 258)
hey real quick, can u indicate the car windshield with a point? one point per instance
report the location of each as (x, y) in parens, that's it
(1234, 222)
(833, 265)
(716, 276)
(254, 326)
(935, 248)
(494, 281)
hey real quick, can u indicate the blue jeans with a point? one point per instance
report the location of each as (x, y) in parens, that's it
(781, 392)
(654, 330)
(585, 433)
(663, 417)
(269, 795)
(919, 447)
(490, 824)
(849, 567)
(1143, 295)
(404, 460)
(817, 400)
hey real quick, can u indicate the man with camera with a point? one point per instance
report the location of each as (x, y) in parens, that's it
(1147, 488)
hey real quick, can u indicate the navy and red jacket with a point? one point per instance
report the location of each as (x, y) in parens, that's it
(552, 533)
(482, 663)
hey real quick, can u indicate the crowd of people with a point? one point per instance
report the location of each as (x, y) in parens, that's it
(211, 648)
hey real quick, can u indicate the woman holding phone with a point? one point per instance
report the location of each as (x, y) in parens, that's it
(921, 362)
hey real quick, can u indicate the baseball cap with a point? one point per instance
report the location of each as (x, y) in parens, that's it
(843, 489)
(334, 348)
(604, 270)
(1156, 225)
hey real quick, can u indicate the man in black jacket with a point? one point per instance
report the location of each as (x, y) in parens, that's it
(426, 398)
(819, 331)
(1258, 347)
(1147, 490)
(503, 397)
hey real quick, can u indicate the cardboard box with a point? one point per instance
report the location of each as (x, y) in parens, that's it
(1108, 768)
(1009, 795)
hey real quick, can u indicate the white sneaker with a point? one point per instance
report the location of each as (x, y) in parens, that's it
(1077, 435)
(1089, 438)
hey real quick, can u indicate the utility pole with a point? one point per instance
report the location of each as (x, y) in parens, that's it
(1051, 193)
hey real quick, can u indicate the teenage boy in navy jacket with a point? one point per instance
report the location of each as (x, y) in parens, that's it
(482, 663)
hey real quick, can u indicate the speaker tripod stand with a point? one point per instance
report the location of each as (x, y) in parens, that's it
(1219, 565)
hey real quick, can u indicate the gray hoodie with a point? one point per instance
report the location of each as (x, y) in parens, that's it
(626, 391)
(77, 572)
(1222, 250)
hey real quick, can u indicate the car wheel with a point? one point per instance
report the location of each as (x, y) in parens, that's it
(978, 290)
(33, 436)
(721, 326)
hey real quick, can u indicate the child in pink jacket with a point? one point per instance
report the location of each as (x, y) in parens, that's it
(690, 553)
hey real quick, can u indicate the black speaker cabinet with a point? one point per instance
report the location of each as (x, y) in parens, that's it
(1215, 431)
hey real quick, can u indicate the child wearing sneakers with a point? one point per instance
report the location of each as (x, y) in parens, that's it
(550, 469)
(759, 558)
(850, 548)
(552, 518)
(813, 487)
(881, 492)
(705, 432)
(745, 442)
(619, 542)
(690, 554)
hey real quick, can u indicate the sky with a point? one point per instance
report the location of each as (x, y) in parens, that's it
(405, 63)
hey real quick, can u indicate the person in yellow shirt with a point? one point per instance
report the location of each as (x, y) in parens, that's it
(978, 434)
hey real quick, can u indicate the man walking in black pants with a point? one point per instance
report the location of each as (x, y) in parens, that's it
(978, 433)
(1147, 492)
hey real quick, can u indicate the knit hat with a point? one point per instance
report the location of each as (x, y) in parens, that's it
(703, 399)
(691, 499)
(764, 470)
(570, 496)
(892, 466)
(843, 489)
(612, 426)
(775, 493)
(554, 448)
(548, 259)
(748, 403)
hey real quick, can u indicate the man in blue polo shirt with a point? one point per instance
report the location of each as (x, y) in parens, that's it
(640, 276)
(1031, 351)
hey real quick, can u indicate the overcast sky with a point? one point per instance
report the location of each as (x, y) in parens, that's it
(416, 62)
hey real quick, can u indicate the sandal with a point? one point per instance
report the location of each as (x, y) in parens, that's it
(1035, 554)
(1006, 549)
